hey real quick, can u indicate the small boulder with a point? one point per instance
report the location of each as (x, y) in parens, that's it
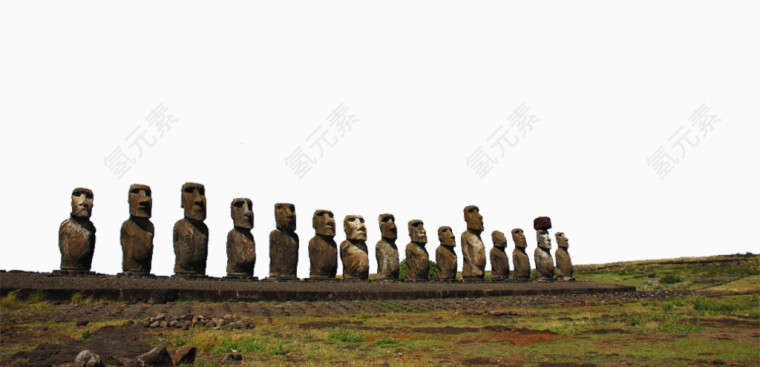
(232, 358)
(86, 358)
(185, 355)
(156, 357)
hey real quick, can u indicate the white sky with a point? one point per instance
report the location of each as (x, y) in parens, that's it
(429, 82)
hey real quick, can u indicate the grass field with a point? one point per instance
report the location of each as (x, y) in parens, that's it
(714, 320)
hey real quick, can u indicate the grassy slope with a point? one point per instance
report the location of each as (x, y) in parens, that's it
(697, 329)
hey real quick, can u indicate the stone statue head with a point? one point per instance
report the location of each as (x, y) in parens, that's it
(241, 210)
(498, 239)
(561, 240)
(140, 201)
(519, 238)
(473, 218)
(446, 236)
(417, 232)
(323, 222)
(387, 226)
(544, 239)
(355, 228)
(194, 201)
(81, 202)
(285, 216)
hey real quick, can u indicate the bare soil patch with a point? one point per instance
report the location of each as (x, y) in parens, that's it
(114, 344)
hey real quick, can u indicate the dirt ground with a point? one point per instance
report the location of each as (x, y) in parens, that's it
(119, 341)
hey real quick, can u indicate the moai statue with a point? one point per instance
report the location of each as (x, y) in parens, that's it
(499, 259)
(137, 232)
(283, 244)
(76, 235)
(542, 256)
(473, 250)
(417, 261)
(386, 251)
(191, 234)
(445, 255)
(564, 268)
(519, 257)
(241, 247)
(323, 251)
(353, 251)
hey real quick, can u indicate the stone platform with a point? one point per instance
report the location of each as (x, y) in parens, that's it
(60, 288)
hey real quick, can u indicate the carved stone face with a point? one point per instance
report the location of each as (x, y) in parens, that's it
(388, 226)
(194, 201)
(498, 239)
(473, 218)
(140, 201)
(561, 240)
(446, 236)
(355, 228)
(544, 240)
(285, 216)
(81, 202)
(323, 222)
(519, 238)
(417, 232)
(242, 213)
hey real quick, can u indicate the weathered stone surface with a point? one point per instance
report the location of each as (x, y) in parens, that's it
(232, 358)
(76, 235)
(353, 251)
(473, 249)
(156, 357)
(542, 256)
(386, 251)
(499, 259)
(241, 247)
(417, 260)
(520, 259)
(323, 251)
(185, 355)
(542, 223)
(564, 270)
(445, 256)
(562, 241)
(87, 358)
(283, 243)
(190, 233)
(137, 232)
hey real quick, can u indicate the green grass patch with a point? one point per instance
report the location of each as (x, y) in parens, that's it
(10, 301)
(343, 334)
(386, 341)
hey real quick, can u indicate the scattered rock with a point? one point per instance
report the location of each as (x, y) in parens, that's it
(232, 358)
(185, 355)
(82, 323)
(156, 357)
(86, 358)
